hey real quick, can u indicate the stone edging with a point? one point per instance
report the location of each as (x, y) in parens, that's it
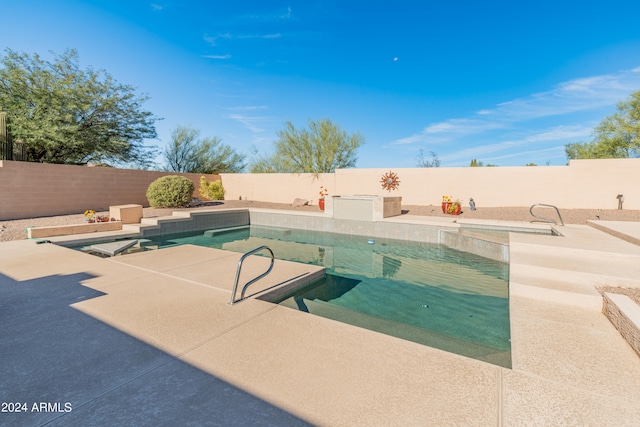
(624, 313)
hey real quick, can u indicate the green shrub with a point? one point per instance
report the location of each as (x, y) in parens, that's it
(211, 190)
(171, 191)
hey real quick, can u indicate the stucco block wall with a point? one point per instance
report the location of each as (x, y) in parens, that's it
(583, 184)
(277, 187)
(38, 189)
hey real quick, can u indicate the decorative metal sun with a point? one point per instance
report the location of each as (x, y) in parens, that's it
(390, 181)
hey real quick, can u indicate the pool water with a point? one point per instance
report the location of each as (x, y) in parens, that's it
(422, 292)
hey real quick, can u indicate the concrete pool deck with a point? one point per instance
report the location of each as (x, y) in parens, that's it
(149, 339)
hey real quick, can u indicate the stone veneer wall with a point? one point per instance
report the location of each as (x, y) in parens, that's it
(624, 314)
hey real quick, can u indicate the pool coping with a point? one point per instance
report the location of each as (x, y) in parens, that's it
(450, 230)
(559, 338)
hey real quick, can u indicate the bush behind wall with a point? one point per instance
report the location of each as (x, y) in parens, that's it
(170, 191)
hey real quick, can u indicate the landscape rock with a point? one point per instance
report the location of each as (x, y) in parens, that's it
(299, 202)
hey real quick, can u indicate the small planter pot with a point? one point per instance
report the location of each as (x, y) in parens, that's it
(445, 207)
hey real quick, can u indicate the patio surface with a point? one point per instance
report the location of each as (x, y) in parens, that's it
(149, 339)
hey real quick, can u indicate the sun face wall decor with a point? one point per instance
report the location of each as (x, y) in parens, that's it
(390, 181)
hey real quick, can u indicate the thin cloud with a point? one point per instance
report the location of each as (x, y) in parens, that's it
(568, 97)
(213, 40)
(259, 36)
(250, 122)
(571, 96)
(280, 15)
(157, 7)
(227, 56)
(248, 108)
(438, 133)
(550, 152)
(462, 127)
(558, 134)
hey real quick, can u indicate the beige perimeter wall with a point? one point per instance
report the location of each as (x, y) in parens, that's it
(277, 187)
(585, 184)
(36, 189)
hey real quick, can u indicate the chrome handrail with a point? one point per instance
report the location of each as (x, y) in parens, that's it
(543, 218)
(244, 288)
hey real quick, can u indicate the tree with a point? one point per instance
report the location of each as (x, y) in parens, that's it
(476, 164)
(617, 136)
(63, 114)
(586, 150)
(269, 164)
(425, 163)
(322, 148)
(186, 153)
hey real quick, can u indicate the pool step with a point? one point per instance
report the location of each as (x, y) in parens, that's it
(400, 330)
(113, 248)
(628, 231)
(487, 245)
(187, 221)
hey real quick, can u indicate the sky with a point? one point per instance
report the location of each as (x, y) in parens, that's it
(506, 83)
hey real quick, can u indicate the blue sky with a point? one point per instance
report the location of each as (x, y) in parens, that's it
(503, 82)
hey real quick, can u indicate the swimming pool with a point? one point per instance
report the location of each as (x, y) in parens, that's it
(422, 292)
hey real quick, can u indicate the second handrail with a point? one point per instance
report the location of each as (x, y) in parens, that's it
(543, 218)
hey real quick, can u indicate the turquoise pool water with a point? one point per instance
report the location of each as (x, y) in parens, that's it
(426, 293)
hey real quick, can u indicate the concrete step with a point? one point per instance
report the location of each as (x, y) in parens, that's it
(627, 231)
(613, 264)
(569, 281)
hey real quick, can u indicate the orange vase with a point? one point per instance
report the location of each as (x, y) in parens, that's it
(321, 204)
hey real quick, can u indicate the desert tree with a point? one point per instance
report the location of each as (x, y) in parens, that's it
(65, 114)
(322, 147)
(617, 136)
(187, 153)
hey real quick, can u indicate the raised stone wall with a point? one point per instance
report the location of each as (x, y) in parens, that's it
(625, 316)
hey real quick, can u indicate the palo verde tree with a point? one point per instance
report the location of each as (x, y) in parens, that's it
(321, 148)
(187, 153)
(65, 114)
(617, 136)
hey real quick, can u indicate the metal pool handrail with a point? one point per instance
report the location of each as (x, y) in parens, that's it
(244, 288)
(543, 218)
